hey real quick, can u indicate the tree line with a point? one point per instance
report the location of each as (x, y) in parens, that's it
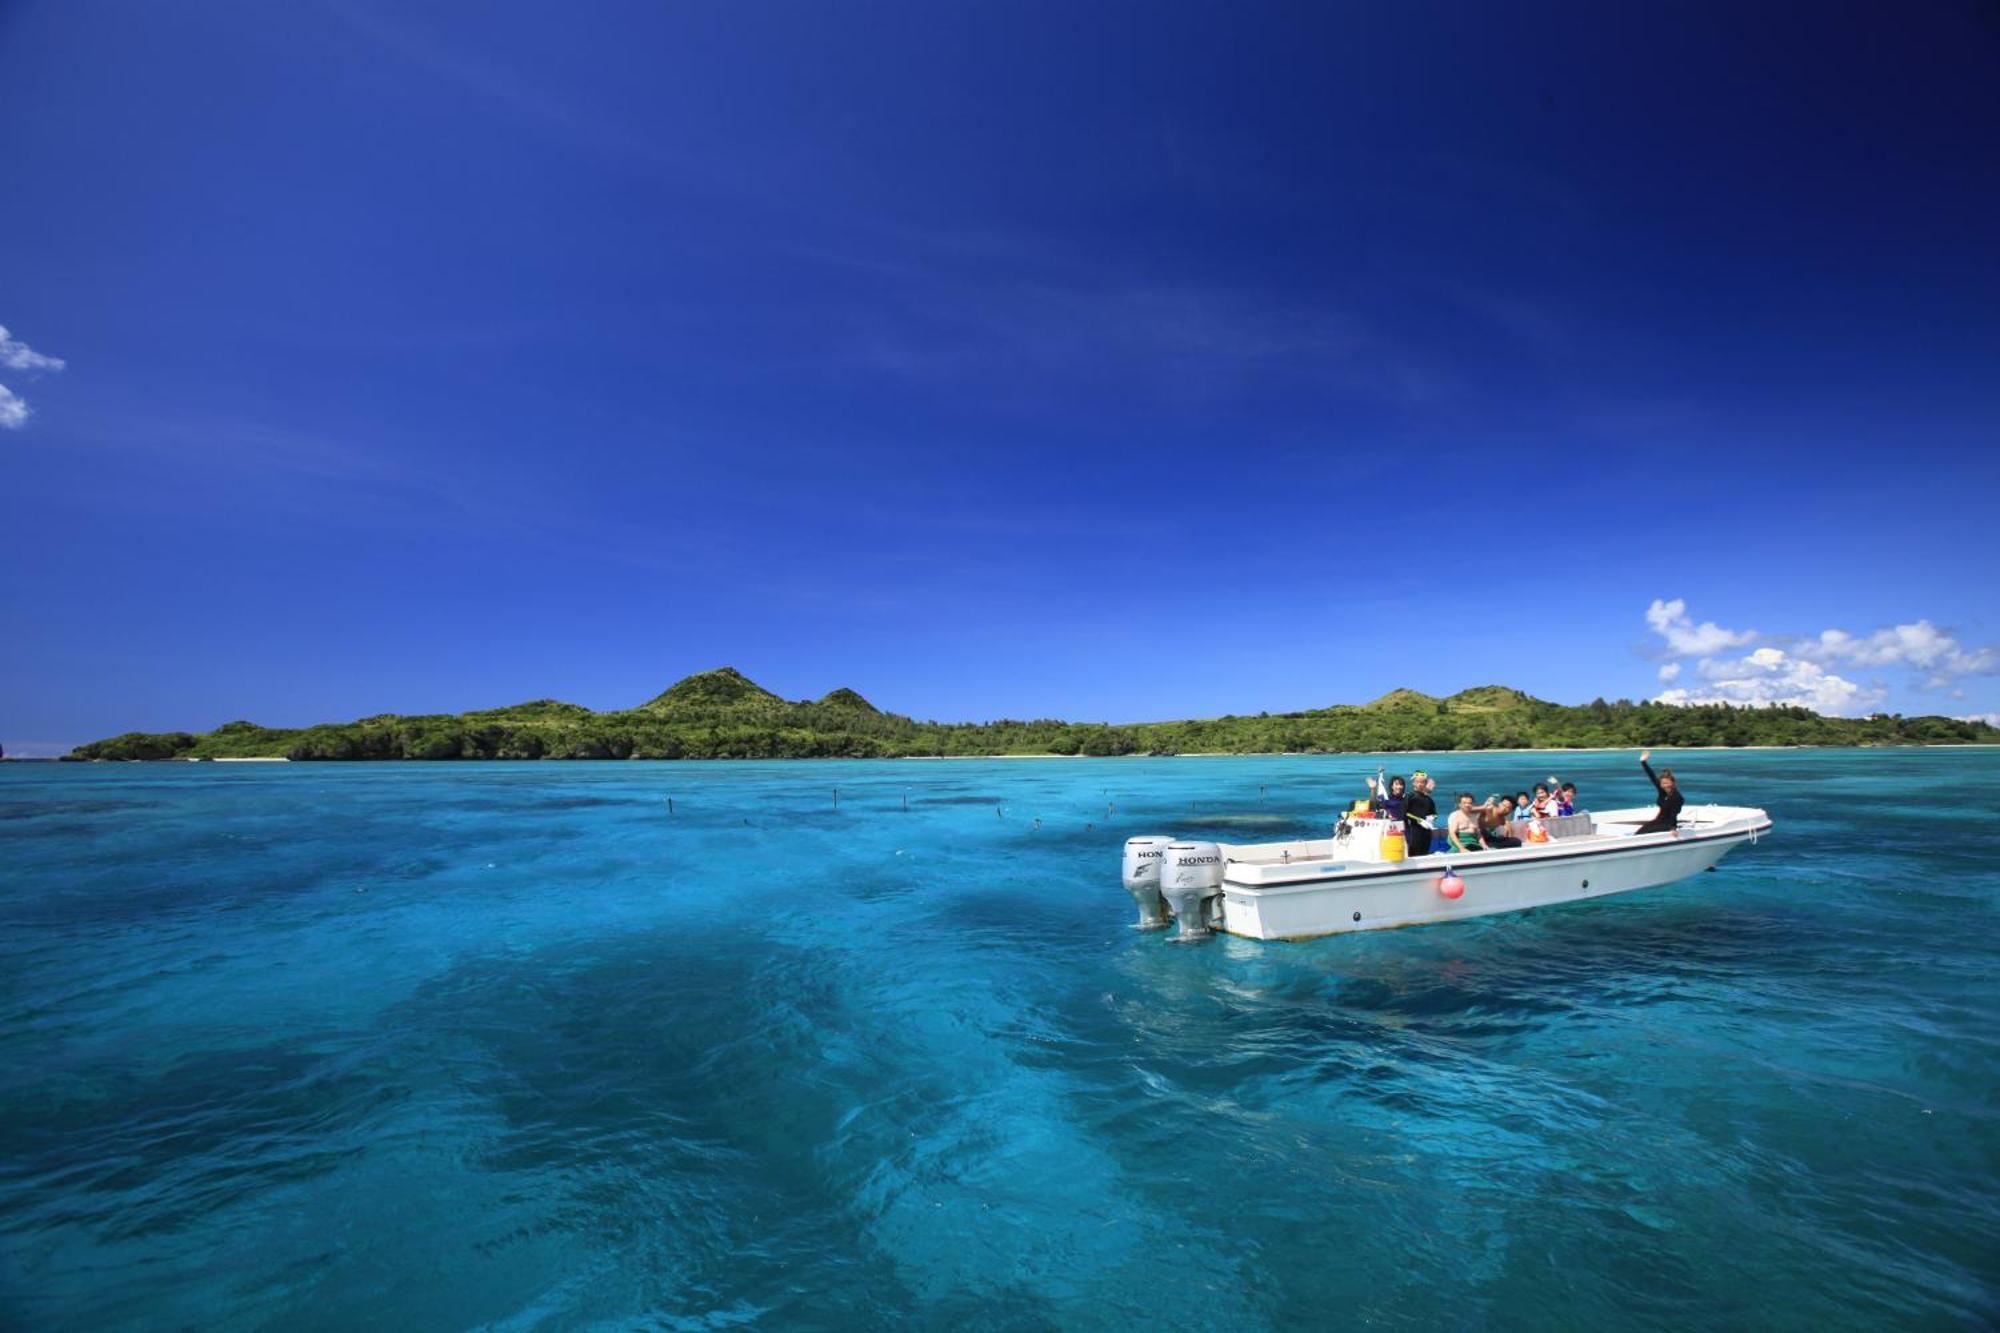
(766, 727)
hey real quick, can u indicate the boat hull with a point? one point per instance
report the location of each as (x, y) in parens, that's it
(1297, 899)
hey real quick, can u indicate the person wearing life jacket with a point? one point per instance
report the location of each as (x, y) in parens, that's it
(1668, 789)
(1566, 799)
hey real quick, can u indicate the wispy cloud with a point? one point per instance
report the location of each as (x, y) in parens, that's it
(17, 355)
(1190, 337)
(509, 89)
(1799, 670)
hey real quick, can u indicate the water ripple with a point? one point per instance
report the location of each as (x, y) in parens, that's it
(521, 1047)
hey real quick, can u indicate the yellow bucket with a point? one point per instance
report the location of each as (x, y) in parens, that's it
(1393, 847)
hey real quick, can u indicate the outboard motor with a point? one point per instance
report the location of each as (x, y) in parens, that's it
(1190, 875)
(1142, 879)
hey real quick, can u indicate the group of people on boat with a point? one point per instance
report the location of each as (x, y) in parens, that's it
(1499, 820)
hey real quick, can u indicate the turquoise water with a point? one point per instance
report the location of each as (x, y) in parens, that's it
(511, 1046)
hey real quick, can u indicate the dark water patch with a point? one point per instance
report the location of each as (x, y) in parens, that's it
(251, 877)
(17, 809)
(703, 1102)
(129, 1154)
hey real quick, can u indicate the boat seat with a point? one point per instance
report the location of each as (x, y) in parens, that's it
(1563, 826)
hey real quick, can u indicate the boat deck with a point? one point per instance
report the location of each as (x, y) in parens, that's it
(1252, 865)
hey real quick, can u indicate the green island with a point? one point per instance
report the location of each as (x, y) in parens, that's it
(722, 714)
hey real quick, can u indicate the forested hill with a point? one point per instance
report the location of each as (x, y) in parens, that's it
(724, 715)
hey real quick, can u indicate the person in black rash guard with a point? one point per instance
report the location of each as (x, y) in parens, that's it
(1418, 805)
(1668, 817)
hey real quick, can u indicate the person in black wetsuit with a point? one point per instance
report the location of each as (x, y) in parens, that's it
(1419, 805)
(1668, 817)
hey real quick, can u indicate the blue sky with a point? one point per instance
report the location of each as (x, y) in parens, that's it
(1112, 361)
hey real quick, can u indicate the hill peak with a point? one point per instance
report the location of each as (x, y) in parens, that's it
(1404, 698)
(846, 698)
(724, 687)
(1488, 698)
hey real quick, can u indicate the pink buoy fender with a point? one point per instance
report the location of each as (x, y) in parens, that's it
(1450, 885)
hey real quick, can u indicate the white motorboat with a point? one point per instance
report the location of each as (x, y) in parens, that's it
(1357, 879)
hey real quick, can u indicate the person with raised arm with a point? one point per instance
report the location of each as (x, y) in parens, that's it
(1566, 803)
(1668, 817)
(1495, 817)
(1388, 796)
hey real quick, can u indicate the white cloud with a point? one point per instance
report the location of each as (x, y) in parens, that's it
(1990, 719)
(1685, 638)
(1799, 670)
(16, 355)
(1769, 678)
(1920, 644)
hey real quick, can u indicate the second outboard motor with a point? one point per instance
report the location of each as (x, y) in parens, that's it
(1190, 875)
(1142, 879)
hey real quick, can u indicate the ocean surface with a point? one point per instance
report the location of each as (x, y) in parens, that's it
(853, 1045)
